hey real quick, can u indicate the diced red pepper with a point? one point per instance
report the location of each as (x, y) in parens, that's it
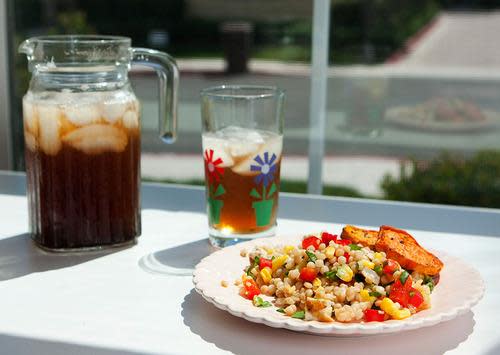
(373, 315)
(312, 240)
(400, 296)
(408, 285)
(347, 256)
(308, 274)
(390, 267)
(327, 238)
(415, 298)
(265, 263)
(250, 289)
(343, 241)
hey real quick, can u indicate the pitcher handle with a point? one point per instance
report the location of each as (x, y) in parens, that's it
(168, 77)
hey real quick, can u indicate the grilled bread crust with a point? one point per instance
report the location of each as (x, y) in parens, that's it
(398, 245)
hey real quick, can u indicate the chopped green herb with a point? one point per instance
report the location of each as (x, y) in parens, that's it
(412, 293)
(404, 277)
(429, 282)
(375, 294)
(249, 269)
(281, 310)
(354, 247)
(299, 315)
(255, 263)
(378, 269)
(259, 302)
(311, 256)
(431, 285)
(332, 275)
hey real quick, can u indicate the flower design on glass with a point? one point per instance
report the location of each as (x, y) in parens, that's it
(267, 168)
(212, 170)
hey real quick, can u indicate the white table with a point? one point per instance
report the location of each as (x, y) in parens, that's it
(110, 303)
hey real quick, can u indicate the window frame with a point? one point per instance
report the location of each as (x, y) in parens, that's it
(6, 148)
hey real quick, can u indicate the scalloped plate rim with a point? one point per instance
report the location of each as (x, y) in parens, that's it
(240, 307)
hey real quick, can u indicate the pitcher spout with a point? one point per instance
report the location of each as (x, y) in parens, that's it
(27, 47)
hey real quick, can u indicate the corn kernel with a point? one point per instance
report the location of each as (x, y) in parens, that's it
(393, 310)
(288, 248)
(377, 257)
(279, 262)
(316, 282)
(345, 273)
(402, 314)
(365, 296)
(269, 251)
(330, 252)
(266, 275)
(388, 306)
(366, 264)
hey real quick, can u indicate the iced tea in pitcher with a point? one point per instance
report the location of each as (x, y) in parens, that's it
(82, 138)
(82, 166)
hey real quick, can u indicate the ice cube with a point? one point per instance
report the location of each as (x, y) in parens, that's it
(131, 119)
(241, 134)
(241, 148)
(112, 111)
(273, 145)
(30, 141)
(136, 105)
(81, 115)
(210, 142)
(30, 118)
(240, 142)
(49, 125)
(97, 138)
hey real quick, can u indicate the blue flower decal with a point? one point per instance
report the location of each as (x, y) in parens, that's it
(266, 167)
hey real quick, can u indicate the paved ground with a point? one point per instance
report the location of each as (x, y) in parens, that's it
(459, 39)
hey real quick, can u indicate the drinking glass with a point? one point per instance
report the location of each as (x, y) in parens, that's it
(242, 142)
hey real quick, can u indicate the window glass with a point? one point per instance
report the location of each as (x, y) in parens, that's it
(214, 42)
(413, 108)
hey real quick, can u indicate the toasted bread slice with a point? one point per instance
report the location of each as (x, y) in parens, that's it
(361, 236)
(402, 247)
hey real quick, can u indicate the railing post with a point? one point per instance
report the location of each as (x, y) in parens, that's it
(317, 101)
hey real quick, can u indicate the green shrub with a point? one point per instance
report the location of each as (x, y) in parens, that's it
(449, 180)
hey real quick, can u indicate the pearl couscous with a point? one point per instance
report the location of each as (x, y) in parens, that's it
(331, 279)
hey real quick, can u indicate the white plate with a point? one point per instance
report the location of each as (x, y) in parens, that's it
(459, 288)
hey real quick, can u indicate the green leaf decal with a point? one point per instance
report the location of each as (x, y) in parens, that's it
(220, 191)
(254, 193)
(272, 190)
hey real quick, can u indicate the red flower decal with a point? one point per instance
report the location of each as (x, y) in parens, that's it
(212, 170)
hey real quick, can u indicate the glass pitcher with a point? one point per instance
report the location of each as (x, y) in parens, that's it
(82, 138)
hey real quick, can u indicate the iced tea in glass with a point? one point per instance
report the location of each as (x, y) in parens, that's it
(242, 148)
